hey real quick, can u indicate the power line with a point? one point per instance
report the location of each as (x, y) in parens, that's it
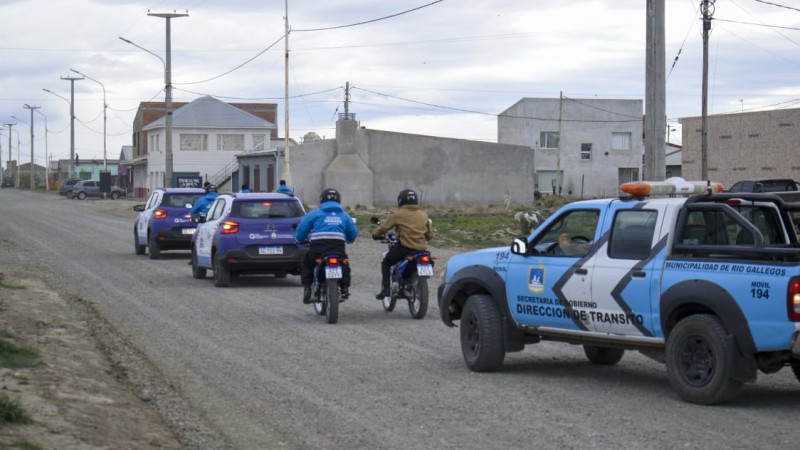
(758, 24)
(260, 98)
(775, 4)
(371, 21)
(497, 115)
(237, 67)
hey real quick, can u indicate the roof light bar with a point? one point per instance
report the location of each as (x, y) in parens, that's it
(670, 186)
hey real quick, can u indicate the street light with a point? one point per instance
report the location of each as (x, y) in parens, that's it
(72, 149)
(46, 155)
(105, 106)
(32, 108)
(168, 159)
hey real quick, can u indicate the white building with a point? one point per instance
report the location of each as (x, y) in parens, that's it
(207, 134)
(595, 146)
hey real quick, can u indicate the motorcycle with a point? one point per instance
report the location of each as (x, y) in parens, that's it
(408, 279)
(325, 294)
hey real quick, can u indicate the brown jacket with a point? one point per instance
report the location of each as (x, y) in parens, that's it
(412, 225)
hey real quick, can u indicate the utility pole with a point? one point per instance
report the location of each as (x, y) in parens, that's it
(558, 155)
(168, 157)
(655, 103)
(32, 108)
(287, 174)
(72, 124)
(105, 117)
(707, 8)
(8, 163)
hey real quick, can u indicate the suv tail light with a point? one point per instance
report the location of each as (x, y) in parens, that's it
(793, 299)
(230, 227)
(160, 214)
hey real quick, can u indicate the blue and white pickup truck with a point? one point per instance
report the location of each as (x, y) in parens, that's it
(707, 283)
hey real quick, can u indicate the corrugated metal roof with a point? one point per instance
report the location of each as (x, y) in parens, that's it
(208, 112)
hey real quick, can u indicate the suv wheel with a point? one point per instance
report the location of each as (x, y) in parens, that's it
(81, 195)
(700, 360)
(114, 195)
(222, 277)
(138, 249)
(482, 334)
(155, 250)
(197, 271)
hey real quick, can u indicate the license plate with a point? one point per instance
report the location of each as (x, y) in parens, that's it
(425, 270)
(188, 230)
(271, 250)
(333, 273)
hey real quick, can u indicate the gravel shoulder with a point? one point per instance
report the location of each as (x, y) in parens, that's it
(92, 390)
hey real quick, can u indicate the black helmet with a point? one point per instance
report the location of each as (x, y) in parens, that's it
(330, 195)
(407, 197)
(211, 188)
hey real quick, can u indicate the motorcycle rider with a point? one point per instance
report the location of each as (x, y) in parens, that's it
(413, 229)
(202, 204)
(327, 228)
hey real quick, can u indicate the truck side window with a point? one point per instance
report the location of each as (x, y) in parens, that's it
(719, 228)
(570, 235)
(632, 234)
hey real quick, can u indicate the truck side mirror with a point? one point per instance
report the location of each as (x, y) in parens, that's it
(519, 246)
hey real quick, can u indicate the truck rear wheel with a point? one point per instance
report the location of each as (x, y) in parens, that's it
(699, 360)
(482, 342)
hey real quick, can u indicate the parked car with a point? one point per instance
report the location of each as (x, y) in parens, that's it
(765, 185)
(8, 182)
(248, 233)
(65, 188)
(91, 188)
(163, 223)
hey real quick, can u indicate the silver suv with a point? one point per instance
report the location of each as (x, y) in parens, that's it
(91, 188)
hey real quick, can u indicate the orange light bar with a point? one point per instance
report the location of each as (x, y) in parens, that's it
(636, 188)
(670, 186)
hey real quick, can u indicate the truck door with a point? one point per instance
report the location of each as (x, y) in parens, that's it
(623, 280)
(550, 285)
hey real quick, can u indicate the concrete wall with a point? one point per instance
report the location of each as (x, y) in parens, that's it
(370, 167)
(761, 144)
(590, 121)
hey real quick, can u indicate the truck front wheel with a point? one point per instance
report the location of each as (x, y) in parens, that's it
(482, 342)
(699, 361)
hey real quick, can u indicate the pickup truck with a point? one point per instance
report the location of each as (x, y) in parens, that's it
(785, 188)
(708, 284)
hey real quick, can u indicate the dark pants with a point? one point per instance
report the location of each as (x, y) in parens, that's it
(393, 256)
(321, 248)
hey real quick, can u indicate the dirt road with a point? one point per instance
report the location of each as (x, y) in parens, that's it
(251, 367)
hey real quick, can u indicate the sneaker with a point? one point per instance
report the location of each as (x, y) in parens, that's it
(344, 293)
(382, 294)
(306, 295)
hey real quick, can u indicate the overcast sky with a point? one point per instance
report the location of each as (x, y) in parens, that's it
(445, 69)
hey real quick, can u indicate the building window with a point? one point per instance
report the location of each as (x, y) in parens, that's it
(620, 141)
(230, 142)
(154, 144)
(258, 142)
(194, 142)
(586, 152)
(548, 139)
(627, 174)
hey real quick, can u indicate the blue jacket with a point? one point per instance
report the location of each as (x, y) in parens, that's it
(284, 189)
(329, 221)
(202, 205)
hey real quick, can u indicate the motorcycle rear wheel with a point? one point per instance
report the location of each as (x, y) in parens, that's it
(418, 300)
(332, 301)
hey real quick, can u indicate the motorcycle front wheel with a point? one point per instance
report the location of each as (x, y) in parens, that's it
(418, 300)
(317, 300)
